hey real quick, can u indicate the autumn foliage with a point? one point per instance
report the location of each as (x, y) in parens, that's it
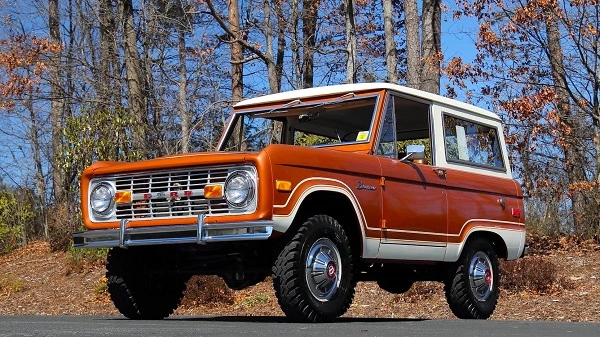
(535, 65)
(22, 61)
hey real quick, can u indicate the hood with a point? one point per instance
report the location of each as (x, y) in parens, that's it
(178, 161)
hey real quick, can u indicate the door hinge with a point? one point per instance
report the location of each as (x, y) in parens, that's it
(382, 181)
(383, 224)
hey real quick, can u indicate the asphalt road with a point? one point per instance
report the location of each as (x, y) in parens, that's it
(275, 326)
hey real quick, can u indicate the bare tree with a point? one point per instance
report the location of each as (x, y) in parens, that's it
(431, 46)
(390, 43)
(351, 64)
(135, 77)
(569, 116)
(108, 55)
(237, 51)
(310, 10)
(413, 43)
(56, 100)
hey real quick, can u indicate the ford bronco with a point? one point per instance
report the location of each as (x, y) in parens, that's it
(318, 188)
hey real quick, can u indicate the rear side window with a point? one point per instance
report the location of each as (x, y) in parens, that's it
(471, 143)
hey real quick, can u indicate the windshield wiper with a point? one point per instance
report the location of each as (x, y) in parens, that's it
(286, 105)
(337, 100)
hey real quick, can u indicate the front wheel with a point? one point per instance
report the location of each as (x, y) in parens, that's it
(139, 285)
(473, 286)
(313, 276)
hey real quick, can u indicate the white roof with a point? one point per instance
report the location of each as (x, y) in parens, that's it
(345, 88)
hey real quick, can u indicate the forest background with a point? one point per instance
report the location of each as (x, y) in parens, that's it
(87, 80)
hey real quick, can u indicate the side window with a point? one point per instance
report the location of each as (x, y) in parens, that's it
(406, 122)
(472, 143)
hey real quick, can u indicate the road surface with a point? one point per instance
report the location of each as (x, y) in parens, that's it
(179, 326)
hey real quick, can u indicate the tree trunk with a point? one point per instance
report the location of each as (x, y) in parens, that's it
(271, 69)
(431, 46)
(390, 44)
(56, 103)
(135, 79)
(297, 63)
(281, 25)
(237, 52)
(40, 183)
(350, 41)
(309, 31)
(184, 113)
(237, 65)
(105, 82)
(575, 159)
(413, 43)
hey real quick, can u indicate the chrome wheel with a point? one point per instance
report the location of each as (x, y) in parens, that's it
(323, 269)
(481, 276)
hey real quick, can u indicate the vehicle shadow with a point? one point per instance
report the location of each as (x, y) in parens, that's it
(283, 319)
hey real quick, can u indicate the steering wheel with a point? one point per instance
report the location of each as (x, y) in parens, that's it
(343, 138)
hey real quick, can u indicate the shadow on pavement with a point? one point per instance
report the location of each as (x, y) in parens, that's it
(282, 319)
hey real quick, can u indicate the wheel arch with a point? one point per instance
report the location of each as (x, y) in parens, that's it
(494, 239)
(507, 238)
(318, 201)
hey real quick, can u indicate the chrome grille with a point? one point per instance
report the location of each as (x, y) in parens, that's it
(170, 194)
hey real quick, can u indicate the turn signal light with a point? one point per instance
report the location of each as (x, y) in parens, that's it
(283, 185)
(123, 197)
(213, 191)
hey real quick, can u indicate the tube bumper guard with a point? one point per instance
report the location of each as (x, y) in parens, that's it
(163, 235)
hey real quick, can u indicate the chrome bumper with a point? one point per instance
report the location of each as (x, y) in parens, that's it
(163, 235)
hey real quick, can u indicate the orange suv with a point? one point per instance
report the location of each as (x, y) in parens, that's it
(318, 188)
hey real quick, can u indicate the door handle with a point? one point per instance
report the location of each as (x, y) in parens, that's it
(441, 172)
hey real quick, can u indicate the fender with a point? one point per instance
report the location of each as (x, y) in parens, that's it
(512, 233)
(284, 214)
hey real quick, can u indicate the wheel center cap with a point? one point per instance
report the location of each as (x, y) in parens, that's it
(488, 276)
(331, 270)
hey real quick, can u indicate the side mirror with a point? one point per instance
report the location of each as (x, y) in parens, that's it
(415, 153)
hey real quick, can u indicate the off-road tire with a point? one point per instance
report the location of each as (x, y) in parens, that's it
(464, 299)
(299, 293)
(139, 287)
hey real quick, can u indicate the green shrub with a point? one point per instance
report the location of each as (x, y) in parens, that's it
(14, 215)
(10, 284)
(81, 260)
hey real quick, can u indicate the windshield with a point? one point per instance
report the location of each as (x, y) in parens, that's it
(340, 121)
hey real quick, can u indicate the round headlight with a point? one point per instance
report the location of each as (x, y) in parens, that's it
(239, 189)
(102, 198)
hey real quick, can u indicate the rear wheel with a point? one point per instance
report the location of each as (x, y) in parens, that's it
(473, 286)
(313, 276)
(139, 285)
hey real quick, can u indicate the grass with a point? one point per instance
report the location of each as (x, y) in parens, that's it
(9, 285)
(252, 301)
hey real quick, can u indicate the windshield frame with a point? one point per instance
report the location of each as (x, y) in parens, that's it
(319, 104)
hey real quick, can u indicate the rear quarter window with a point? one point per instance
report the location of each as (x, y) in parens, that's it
(472, 143)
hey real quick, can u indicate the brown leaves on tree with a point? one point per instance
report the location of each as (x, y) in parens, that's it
(21, 65)
(536, 65)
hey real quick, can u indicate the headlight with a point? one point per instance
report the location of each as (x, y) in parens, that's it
(102, 199)
(239, 189)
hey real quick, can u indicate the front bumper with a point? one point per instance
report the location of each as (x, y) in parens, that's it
(199, 233)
